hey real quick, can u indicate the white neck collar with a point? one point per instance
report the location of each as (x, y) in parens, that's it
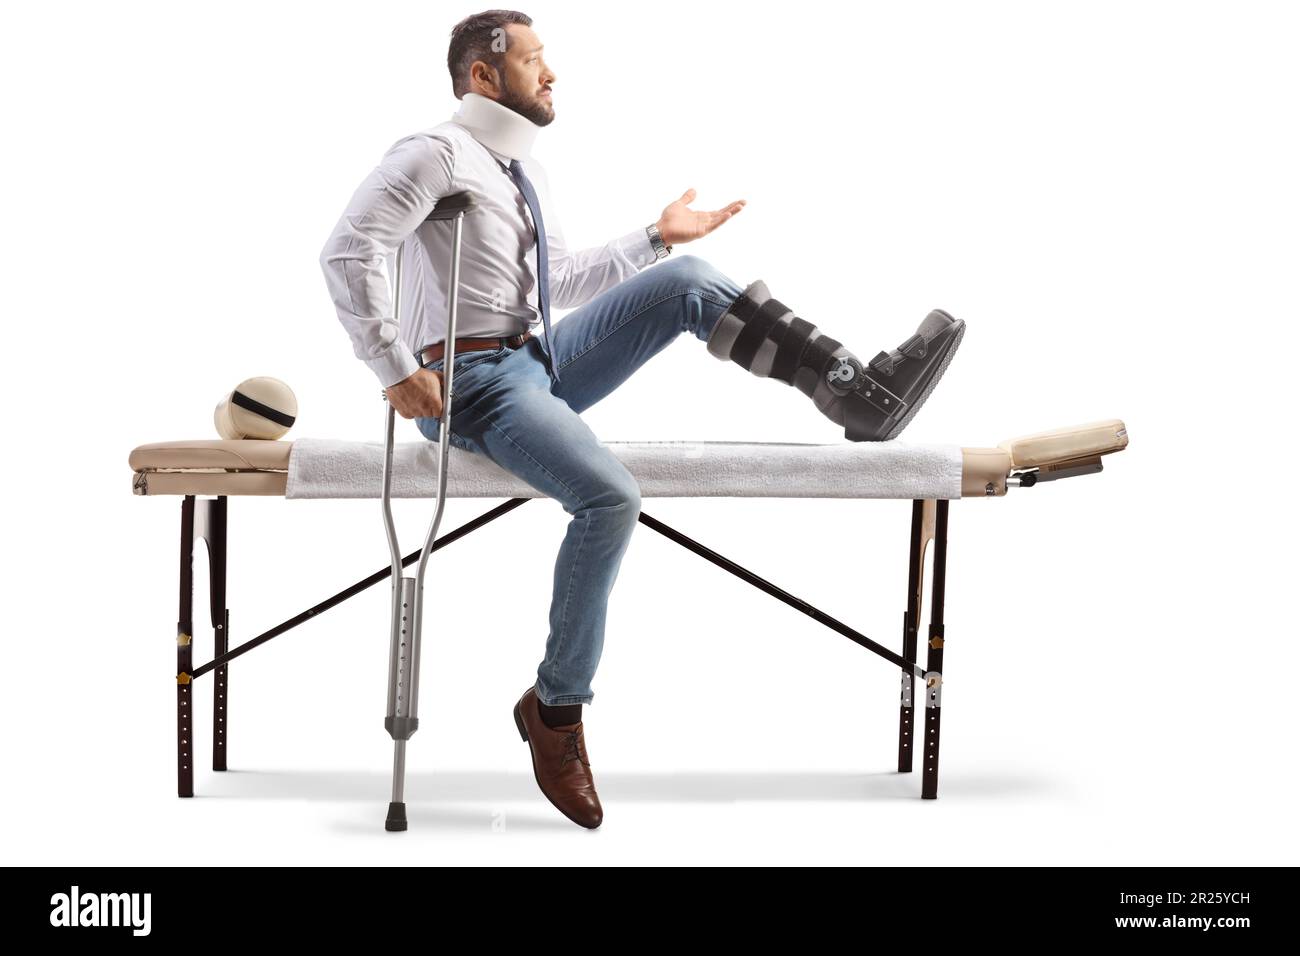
(497, 127)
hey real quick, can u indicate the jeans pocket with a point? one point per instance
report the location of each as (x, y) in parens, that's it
(468, 360)
(461, 388)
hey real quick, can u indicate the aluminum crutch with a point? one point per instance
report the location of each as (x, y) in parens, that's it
(408, 593)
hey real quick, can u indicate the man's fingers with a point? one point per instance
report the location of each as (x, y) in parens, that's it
(716, 219)
(722, 215)
(688, 196)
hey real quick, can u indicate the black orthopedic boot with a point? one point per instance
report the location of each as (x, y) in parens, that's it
(873, 403)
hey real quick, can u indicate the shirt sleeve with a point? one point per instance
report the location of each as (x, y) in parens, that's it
(576, 276)
(388, 206)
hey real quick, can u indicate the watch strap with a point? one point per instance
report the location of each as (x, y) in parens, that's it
(657, 242)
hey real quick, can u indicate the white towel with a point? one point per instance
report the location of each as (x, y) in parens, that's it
(331, 468)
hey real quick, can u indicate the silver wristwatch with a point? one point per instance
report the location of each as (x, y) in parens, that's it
(657, 242)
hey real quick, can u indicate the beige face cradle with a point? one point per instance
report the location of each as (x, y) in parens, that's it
(207, 473)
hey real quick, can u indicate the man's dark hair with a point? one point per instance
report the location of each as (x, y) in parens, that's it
(472, 39)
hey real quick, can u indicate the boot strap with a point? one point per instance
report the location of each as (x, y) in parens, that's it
(886, 362)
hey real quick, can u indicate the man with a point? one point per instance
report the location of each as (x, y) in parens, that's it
(517, 399)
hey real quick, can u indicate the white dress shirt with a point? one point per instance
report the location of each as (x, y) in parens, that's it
(498, 266)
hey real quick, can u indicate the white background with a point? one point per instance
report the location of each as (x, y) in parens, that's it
(1105, 192)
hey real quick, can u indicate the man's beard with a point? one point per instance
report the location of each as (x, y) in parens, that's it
(538, 113)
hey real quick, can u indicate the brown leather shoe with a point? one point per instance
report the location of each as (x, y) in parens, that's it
(560, 763)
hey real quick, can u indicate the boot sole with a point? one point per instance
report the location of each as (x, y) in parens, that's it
(915, 406)
(523, 733)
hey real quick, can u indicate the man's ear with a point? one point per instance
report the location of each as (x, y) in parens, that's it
(487, 76)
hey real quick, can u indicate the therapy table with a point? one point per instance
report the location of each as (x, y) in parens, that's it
(206, 473)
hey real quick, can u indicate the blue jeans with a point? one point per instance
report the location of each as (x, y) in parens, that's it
(505, 406)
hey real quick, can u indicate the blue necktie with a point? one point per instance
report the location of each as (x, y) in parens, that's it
(543, 284)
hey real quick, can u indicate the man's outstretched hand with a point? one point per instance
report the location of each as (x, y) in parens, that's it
(679, 224)
(418, 395)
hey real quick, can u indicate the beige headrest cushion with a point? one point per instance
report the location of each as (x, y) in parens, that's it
(262, 407)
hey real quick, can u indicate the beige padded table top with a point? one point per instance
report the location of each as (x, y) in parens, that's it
(258, 467)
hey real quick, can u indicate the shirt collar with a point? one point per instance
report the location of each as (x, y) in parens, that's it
(497, 127)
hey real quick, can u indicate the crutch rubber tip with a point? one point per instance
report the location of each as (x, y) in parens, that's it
(396, 817)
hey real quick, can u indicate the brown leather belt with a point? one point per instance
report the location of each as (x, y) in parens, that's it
(432, 353)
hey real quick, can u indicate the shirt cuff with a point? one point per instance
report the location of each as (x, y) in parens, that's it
(636, 246)
(395, 365)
